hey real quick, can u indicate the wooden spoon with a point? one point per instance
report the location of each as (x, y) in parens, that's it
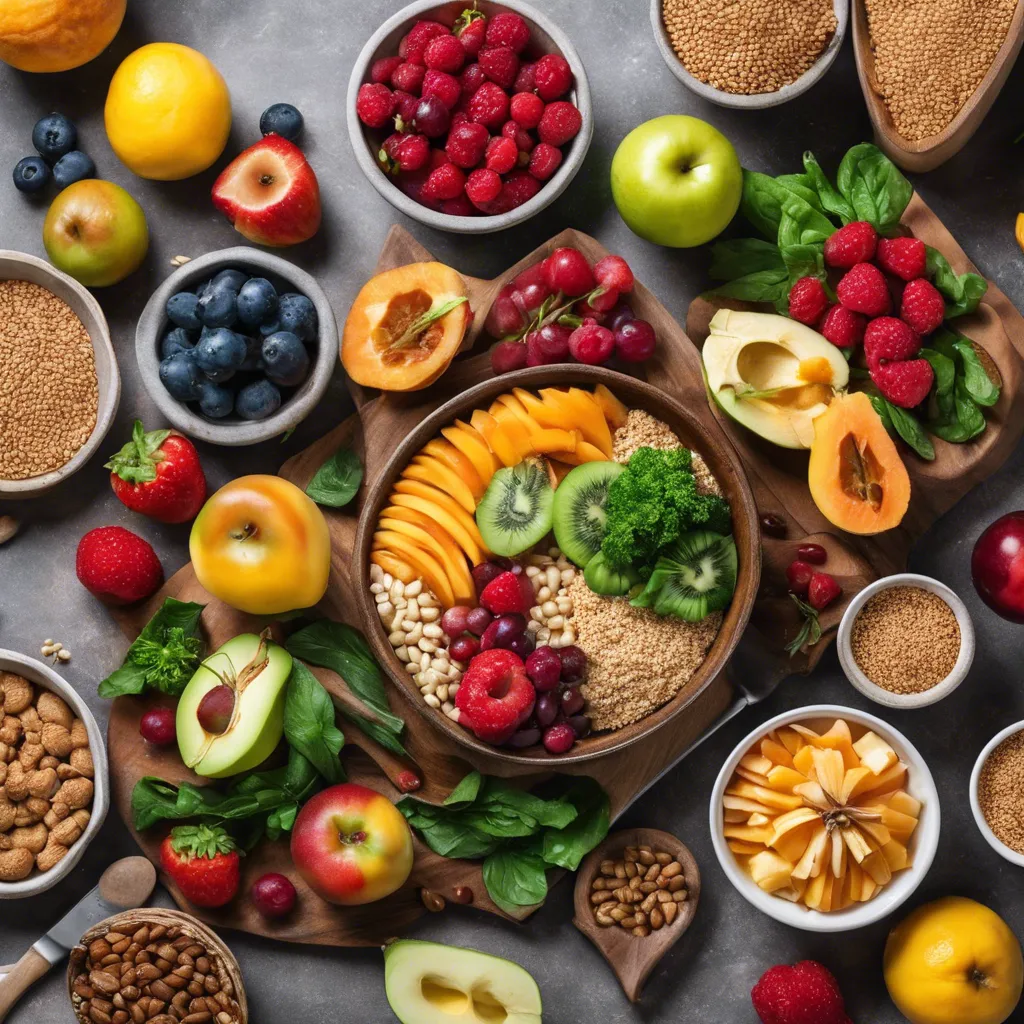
(632, 957)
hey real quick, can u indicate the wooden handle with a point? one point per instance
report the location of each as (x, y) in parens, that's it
(25, 973)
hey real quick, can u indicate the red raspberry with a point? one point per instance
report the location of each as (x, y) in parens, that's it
(415, 41)
(405, 106)
(822, 591)
(460, 206)
(483, 186)
(560, 122)
(383, 69)
(863, 289)
(445, 53)
(526, 80)
(544, 161)
(922, 306)
(805, 993)
(408, 152)
(508, 593)
(905, 384)
(409, 77)
(889, 339)
(375, 103)
(466, 144)
(591, 343)
(851, 245)
(470, 30)
(520, 136)
(843, 327)
(445, 182)
(489, 105)
(807, 300)
(905, 257)
(495, 695)
(471, 79)
(500, 65)
(553, 77)
(613, 274)
(526, 109)
(519, 187)
(442, 85)
(501, 154)
(458, 117)
(508, 29)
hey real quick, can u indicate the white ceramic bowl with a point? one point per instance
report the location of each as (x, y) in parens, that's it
(546, 37)
(756, 101)
(923, 843)
(906, 700)
(20, 266)
(44, 677)
(990, 837)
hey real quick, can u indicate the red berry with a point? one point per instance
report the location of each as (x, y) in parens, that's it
(431, 117)
(798, 576)
(807, 300)
(559, 738)
(508, 29)
(383, 69)
(544, 161)
(408, 77)
(483, 185)
(548, 345)
(408, 781)
(855, 243)
(455, 620)
(889, 339)
(466, 144)
(574, 663)
(585, 310)
(843, 327)
(518, 188)
(464, 648)
(813, 553)
(157, 726)
(406, 105)
(375, 103)
(905, 384)
(445, 87)
(591, 343)
(415, 41)
(524, 141)
(471, 32)
(604, 301)
(471, 79)
(526, 79)
(507, 356)
(495, 695)
(460, 206)
(863, 289)
(922, 306)
(560, 122)
(544, 667)
(117, 566)
(905, 257)
(822, 591)
(410, 152)
(501, 155)
(635, 341)
(805, 993)
(566, 270)
(526, 109)
(507, 594)
(489, 105)
(613, 272)
(444, 182)
(445, 53)
(552, 76)
(500, 65)
(273, 895)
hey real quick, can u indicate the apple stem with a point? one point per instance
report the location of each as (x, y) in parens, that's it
(247, 532)
(352, 839)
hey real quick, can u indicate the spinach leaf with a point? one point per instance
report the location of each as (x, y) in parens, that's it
(962, 292)
(831, 200)
(466, 791)
(802, 186)
(515, 877)
(761, 286)
(761, 203)
(337, 481)
(445, 832)
(804, 260)
(566, 847)
(881, 406)
(309, 723)
(553, 813)
(977, 380)
(738, 257)
(909, 428)
(967, 422)
(874, 186)
(801, 223)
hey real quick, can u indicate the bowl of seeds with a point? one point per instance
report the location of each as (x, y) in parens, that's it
(906, 641)
(997, 793)
(59, 383)
(747, 53)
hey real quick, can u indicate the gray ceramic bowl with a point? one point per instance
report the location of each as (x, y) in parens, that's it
(757, 101)
(233, 430)
(19, 266)
(547, 37)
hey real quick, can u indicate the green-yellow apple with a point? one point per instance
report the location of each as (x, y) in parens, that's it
(96, 232)
(676, 181)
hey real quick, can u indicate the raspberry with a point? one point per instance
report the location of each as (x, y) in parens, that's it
(383, 69)
(889, 339)
(415, 41)
(553, 77)
(445, 53)
(458, 117)
(405, 105)
(409, 152)
(851, 245)
(375, 103)
(460, 206)
(591, 343)
(843, 327)
(905, 384)
(922, 306)
(508, 593)
(489, 105)
(445, 182)
(863, 289)
(442, 85)
(508, 29)
(822, 591)
(500, 65)
(526, 109)
(544, 161)
(807, 300)
(495, 695)
(560, 122)
(408, 77)
(613, 273)
(483, 186)
(526, 80)
(466, 144)
(905, 257)
(471, 79)
(518, 188)
(501, 155)
(520, 136)
(470, 30)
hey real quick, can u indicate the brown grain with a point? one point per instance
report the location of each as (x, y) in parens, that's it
(642, 430)
(1001, 791)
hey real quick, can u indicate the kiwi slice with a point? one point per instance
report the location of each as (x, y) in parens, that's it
(515, 511)
(602, 579)
(693, 577)
(579, 516)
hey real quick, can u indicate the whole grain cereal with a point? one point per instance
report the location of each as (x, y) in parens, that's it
(905, 639)
(49, 393)
(1001, 791)
(931, 55)
(748, 46)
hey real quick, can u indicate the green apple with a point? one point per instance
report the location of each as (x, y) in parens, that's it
(96, 232)
(676, 181)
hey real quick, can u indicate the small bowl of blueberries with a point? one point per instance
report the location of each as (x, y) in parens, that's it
(237, 346)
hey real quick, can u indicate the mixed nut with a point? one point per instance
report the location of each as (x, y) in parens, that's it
(641, 892)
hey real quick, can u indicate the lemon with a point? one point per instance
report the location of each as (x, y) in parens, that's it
(168, 112)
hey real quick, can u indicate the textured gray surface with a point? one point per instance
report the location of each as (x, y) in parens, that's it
(272, 50)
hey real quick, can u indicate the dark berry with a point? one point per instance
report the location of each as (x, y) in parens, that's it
(285, 359)
(285, 120)
(31, 174)
(296, 313)
(258, 400)
(72, 167)
(257, 302)
(574, 663)
(53, 136)
(157, 726)
(220, 353)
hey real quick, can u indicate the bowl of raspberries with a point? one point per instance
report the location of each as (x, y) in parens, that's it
(469, 117)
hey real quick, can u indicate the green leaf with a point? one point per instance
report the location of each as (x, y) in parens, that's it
(802, 224)
(309, 723)
(874, 186)
(411, 334)
(761, 286)
(554, 813)
(377, 731)
(337, 481)
(805, 259)
(968, 421)
(567, 846)
(445, 831)
(466, 791)
(761, 203)
(515, 877)
(831, 200)
(738, 257)
(810, 631)
(909, 428)
(136, 462)
(977, 382)
(881, 406)
(962, 292)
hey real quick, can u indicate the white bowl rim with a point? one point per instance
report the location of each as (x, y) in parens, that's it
(879, 694)
(34, 670)
(761, 100)
(551, 189)
(897, 892)
(107, 402)
(983, 826)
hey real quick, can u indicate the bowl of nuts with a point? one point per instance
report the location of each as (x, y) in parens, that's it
(53, 767)
(157, 966)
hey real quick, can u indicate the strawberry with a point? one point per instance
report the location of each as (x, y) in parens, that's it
(805, 993)
(202, 862)
(470, 28)
(510, 592)
(495, 695)
(158, 474)
(117, 566)
(822, 591)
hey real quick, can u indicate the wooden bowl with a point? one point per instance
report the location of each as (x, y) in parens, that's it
(631, 957)
(927, 154)
(721, 460)
(228, 971)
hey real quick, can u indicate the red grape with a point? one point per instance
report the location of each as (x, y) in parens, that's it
(502, 631)
(522, 645)
(157, 727)
(798, 575)
(635, 341)
(544, 667)
(619, 315)
(528, 736)
(546, 709)
(572, 701)
(455, 621)
(580, 725)
(464, 648)
(532, 295)
(568, 271)
(507, 356)
(574, 663)
(478, 620)
(591, 343)
(432, 117)
(559, 739)
(273, 895)
(613, 273)
(504, 317)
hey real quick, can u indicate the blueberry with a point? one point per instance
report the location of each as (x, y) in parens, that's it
(230, 279)
(31, 174)
(257, 301)
(215, 400)
(72, 167)
(180, 375)
(218, 307)
(53, 136)
(297, 314)
(285, 360)
(258, 400)
(183, 311)
(176, 340)
(220, 353)
(253, 351)
(283, 119)
(267, 329)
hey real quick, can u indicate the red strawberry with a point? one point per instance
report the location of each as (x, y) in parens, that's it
(863, 289)
(500, 65)
(483, 186)
(507, 593)
(807, 300)
(383, 69)
(922, 306)
(375, 103)
(508, 29)
(444, 53)
(408, 78)
(495, 695)
(470, 29)
(805, 993)
(544, 161)
(202, 862)
(843, 327)
(905, 384)
(415, 41)
(526, 109)
(158, 474)
(117, 566)
(501, 155)
(889, 339)
(822, 591)
(905, 257)
(519, 187)
(855, 243)
(489, 105)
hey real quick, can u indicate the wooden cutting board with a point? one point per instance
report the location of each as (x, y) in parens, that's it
(779, 485)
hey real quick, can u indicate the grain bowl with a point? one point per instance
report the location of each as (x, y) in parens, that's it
(995, 790)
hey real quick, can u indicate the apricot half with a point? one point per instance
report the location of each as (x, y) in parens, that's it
(405, 327)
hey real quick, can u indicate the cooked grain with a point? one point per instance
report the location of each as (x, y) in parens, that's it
(1001, 791)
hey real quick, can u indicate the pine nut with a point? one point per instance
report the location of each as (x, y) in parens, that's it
(557, 640)
(424, 661)
(439, 664)
(403, 654)
(533, 625)
(554, 578)
(430, 614)
(376, 573)
(396, 639)
(427, 646)
(432, 701)
(381, 597)
(455, 714)
(427, 600)
(412, 667)
(567, 576)
(549, 608)
(544, 594)
(387, 579)
(396, 590)
(385, 609)
(670, 911)
(447, 706)
(427, 686)
(442, 691)
(453, 689)
(414, 631)
(532, 571)
(431, 676)
(536, 614)
(556, 621)
(414, 589)
(564, 605)
(376, 588)
(568, 635)
(413, 611)
(432, 632)
(543, 635)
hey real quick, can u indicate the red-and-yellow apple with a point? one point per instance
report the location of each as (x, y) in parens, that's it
(351, 845)
(261, 545)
